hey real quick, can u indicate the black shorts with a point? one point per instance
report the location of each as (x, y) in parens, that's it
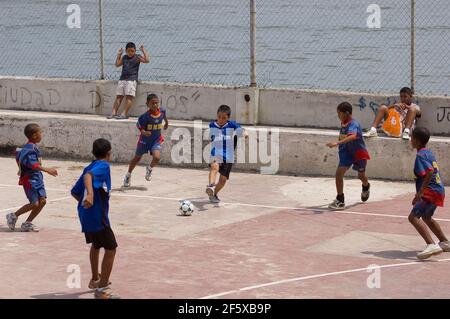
(102, 239)
(225, 169)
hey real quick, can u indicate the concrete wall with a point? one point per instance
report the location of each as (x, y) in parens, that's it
(301, 151)
(273, 107)
(183, 102)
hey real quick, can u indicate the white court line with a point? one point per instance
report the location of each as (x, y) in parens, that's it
(48, 201)
(253, 205)
(279, 282)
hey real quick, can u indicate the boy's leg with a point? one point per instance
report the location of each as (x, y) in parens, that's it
(156, 157)
(24, 209)
(107, 265)
(94, 256)
(136, 159)
(382, 114)
(220, 184)
(340, 172)
(421, 228)
(37, 208)
(410, 117)
(361, 168)
(435, 228)
(128, 104)
(116, 106)
(213, 173)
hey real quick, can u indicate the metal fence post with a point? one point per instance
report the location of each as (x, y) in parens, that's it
(253, 43)
(413, 45)
(102, 62)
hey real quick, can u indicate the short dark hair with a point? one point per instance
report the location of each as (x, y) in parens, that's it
(101, 147)
(130, 45)
(406, 90)
(30, 129)
(345, 107)
(151, 97)
(224, 109)
(421, 134)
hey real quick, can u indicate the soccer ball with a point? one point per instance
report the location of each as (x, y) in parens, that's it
(186, 208)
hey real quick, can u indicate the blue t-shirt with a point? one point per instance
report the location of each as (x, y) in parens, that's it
(95, 218)
(355, 149)
(29, 159)
(426, 162)
(130, 68)
(223, 140)
(151, 123)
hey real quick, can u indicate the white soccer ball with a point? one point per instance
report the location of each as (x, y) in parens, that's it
(186, 208)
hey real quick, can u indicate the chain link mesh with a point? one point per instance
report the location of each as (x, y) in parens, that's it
(320, 44)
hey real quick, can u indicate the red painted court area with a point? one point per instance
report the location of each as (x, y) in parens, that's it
(270, 237)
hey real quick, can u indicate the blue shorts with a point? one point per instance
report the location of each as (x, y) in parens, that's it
(347, 161)
(423, 208)
(144, 148)
(34, 195)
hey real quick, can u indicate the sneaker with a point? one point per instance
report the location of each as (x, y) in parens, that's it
(337, 205)
(11, 220)
(405, 135)
(110, 117)
(214, 199)
(365, 194)
(432, 249)
(148, 174)
(29, 227)
(105, 293)
(127, 180)
(445, 245)
(210, 190)
(121, 117)
(93, 284)
(371, 133)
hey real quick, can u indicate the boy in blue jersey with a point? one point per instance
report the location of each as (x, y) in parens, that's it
(30, 171)
(223, 134)
(92, 194)
(352, 152)
(149, 125)
(430, 193)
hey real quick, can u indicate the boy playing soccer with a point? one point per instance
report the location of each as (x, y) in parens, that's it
(30, 171)
(92, 193)
(430, 193)
(352, 152)
(128, 80)
(149, 125)
(407, 110)
(223, 132)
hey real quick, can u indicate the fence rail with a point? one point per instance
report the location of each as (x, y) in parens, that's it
(350, 45)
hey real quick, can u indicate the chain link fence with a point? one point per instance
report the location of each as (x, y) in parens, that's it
(320, 44)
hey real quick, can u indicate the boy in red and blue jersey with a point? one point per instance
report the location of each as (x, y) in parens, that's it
(92, 191)
(430, 193)
(352, 153)
(31, 178)
(150, 140)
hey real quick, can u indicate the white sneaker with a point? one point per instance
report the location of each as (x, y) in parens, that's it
(214, 199)
(371, 133)
(445, 245)
(337, 205)
(29, 227)
(127, 180)
(432, 249)
(210, 190)
(148, 173)
(11, 220)
(405, 134)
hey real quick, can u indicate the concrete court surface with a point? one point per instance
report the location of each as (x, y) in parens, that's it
(270, 238)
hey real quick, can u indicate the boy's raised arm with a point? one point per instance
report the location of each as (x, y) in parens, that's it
(146, 57)
(119, 58)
